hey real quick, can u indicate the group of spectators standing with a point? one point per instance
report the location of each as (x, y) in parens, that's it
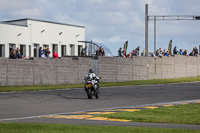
(122, 53)
(194, 52)
(99, 52)
(16, 54)
(45, 53)
(160, 53)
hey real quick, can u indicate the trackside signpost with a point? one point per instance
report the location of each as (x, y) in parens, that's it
(162, 17)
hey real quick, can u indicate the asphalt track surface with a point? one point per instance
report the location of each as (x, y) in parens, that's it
(27, 106)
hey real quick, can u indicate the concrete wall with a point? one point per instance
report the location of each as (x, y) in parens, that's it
(73, 69)
(143, 68)
(43, 71)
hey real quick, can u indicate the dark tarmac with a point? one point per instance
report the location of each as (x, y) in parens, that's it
(26, 107)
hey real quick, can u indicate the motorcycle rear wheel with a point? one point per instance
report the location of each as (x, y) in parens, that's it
(89, 94)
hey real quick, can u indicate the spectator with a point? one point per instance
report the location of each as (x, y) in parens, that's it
(196, 52)
(13, 54)
(47, 53)
(154, 54)
(83, 52)
(120, 52)
(192, 53)
(167, 54)
(175, 51)
(136, 53)
(124, 53)
(55, 55)
(157, 53)
(164, 51)
(180, 52)
(102, 53)
(160, 50)
(40, 52)
(133, 53)
(98, 52)
(17, 51)
(185, 52)
(43, 52)
(19, 56)
(138, 50)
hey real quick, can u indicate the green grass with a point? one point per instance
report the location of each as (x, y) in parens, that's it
(179, 114)
(61, 128)
(108, 84)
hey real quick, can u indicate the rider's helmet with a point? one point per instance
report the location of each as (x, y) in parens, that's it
(91, 71)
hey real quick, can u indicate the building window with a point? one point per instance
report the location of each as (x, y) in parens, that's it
(72, 49)
(80, 47)
(11, 47)
(36, 50)
(63, 50)
(2, 50)
(23, 49)
(55, 47)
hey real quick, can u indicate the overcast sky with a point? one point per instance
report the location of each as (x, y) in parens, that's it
(112, 22)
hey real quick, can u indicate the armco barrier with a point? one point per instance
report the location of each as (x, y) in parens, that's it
(70, 70)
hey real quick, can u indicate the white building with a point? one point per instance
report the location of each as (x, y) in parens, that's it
(30, 34)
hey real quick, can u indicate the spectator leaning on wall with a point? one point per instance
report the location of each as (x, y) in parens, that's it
(40, 52)
(19, 55)
(47, 53)
(13, 54)
(175, 51)
(102, 53)
(185, 52)
(138, 50)
(180, 52)
(55, 55)
(196, 52)
(98, 52)
(192, 53)
(83, 52)
(120, 52)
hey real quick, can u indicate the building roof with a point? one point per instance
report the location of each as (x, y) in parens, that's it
(25, 19)
(13, 24)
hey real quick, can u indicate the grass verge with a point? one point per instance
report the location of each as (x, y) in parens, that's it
(179, 114)
(105, 84)
(61, 128)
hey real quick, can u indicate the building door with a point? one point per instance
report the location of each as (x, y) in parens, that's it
(72, 49)
(63, 50)
(2, 50)
(23, 49)
(12, 47)
(80, 47)
(36, 50)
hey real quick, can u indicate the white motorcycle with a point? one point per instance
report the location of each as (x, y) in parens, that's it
(92, 88)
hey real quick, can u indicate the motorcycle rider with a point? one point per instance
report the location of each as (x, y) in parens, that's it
(93, 77)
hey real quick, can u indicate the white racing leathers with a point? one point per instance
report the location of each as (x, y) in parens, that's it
(92, 77)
